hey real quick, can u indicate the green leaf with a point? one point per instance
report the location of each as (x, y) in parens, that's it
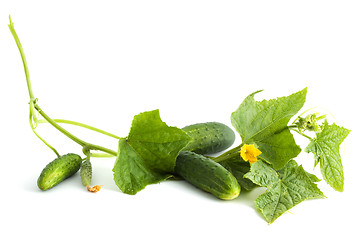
(131, 173)
(148, 154)
(264, 123)
(285, 188)
(325, 147)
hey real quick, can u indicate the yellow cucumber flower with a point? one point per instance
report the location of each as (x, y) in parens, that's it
(249, 153)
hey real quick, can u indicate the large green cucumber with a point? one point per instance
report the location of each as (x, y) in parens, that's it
(207, 175)
(210, 137)
(58, 170)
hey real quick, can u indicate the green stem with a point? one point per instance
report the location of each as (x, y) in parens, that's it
(81, 125)
(101, 155)
(234, 152)
(302, 134)
(32, 117)
(71, 136)
(34, 106)
(43, 140)
(12, 30)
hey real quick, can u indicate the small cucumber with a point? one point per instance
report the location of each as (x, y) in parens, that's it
(210, 137)
(58, 170)
(207, 175)
(86, 172)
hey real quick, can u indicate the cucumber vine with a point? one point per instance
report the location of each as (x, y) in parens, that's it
(265, 157)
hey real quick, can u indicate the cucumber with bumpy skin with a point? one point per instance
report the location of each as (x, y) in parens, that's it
(207, 175)
(58, 170)
(209, 137)
(86, 172)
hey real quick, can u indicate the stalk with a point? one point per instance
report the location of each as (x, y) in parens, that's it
(234, 152)
(13, 32)
(81, 125)
(82, 143)
(43, 140)
(35, 107)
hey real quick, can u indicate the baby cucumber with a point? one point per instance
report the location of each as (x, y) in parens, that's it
(207, 175)
(210, 137)
(58, 170)
(86, 172)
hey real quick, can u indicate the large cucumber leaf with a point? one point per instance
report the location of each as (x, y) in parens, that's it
(148, 154)
(264, 123)
(285, 188)
(325, 147)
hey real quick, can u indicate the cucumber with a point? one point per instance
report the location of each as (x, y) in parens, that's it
(58, 170)
(207, 175)
(210, 137)
(86, 172)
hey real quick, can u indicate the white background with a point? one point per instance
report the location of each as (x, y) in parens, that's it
(102, 62)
